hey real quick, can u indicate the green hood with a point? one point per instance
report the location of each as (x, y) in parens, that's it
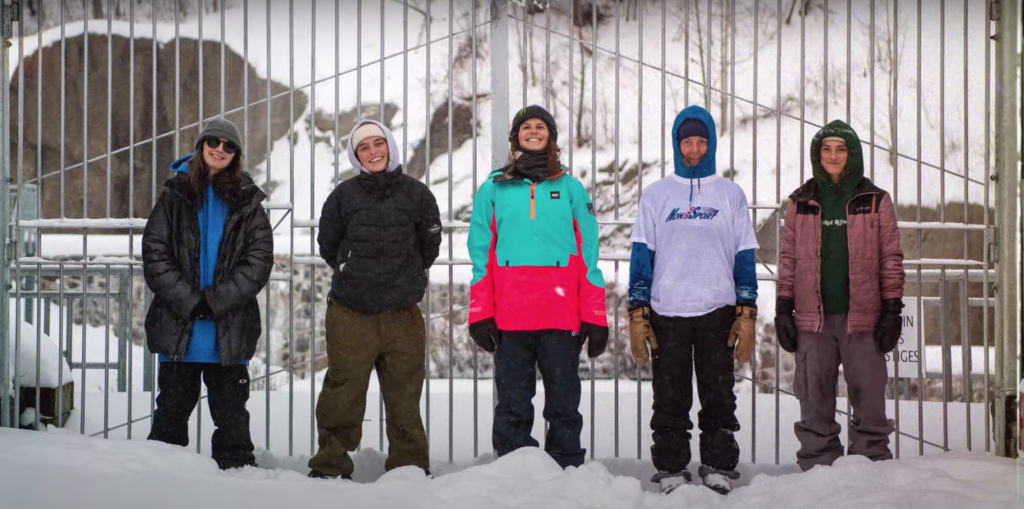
(854, 170)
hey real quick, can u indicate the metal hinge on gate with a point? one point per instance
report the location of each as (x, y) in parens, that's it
(993, 11)
(992, 241)
(12, 13)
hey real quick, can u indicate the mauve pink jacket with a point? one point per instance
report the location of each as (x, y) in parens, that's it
(876, 259)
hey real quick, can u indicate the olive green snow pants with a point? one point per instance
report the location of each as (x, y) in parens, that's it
(393, 343)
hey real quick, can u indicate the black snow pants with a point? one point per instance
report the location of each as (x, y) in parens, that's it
(683, 344)
(228, 389)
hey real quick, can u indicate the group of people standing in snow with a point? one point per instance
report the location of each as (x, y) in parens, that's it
(537, 297)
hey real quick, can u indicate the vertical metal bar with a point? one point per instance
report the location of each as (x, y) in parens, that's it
(965, 356)
(5, 279)
(311, 349)
(245, 70)
(871, 87)
(110, 106)
(849, 76)
(686, 58)
(803, 85)
(405, 77)
(476, 412)
(201, 71)
(60, 348)
(942, 113)
(753, 163)
(245, 79)
(547, 58)
(572, 80)
(947, 367)
(640, 190)
(106, 354)
(451, 216)
(616, 216)
(894, 119)
(426, 173)
(965, 318)
(986, 218)
(291, 231)
(1008, 181)
(85, 342)
(778, 200)
(63, 101)
(266, 295)
(85, 116)
(593, 182)
(707, 71)
(39, 340)
(824, 67)
(896, 362)
(920, 291)
(664, 65)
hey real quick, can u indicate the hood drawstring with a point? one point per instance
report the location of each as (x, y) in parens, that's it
(691, 189)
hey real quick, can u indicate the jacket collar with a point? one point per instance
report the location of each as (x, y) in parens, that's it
(809, 190)
(251, 193)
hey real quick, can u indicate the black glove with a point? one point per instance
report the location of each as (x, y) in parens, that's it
(596, 336)
(202, 310)
(785, 324)
(486, 335)
(889, 326)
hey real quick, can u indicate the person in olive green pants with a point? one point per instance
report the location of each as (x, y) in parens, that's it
(380, 231)
(393, 343)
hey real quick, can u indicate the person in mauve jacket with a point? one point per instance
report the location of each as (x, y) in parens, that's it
(380, 231)
(207, 251)
(840, 298)
(537, 294)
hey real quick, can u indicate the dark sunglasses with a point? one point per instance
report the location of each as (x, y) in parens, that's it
(229, 147)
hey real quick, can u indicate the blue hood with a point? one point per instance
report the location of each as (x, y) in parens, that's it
(706, 166)
(181, 165)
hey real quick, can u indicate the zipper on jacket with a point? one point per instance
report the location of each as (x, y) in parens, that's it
(533, 202)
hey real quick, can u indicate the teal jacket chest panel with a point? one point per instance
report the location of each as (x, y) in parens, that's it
(535, 223)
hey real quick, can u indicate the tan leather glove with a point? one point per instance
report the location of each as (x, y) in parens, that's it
(742, 333)
(640, 334)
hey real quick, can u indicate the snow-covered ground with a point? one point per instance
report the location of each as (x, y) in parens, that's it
(59, 469)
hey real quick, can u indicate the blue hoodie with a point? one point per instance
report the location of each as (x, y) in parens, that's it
(203, 345)
(641, 263)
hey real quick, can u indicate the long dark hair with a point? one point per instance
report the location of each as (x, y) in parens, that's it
(227, 183)
(552, 150)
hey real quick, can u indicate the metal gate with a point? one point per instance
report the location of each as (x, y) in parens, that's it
(932, 88)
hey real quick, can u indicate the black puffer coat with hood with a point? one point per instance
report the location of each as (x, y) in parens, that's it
(379, 232)
(170, 254)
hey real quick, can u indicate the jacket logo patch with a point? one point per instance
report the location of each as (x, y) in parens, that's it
(590, 208)
(555, 195)
(833, 222)
(701, 213)
(435, 229)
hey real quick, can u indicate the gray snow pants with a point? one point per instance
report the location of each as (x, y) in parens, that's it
(818, 357)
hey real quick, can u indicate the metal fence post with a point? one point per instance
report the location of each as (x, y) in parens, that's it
(1007, 183)
(5, 214)
(124, 331)
(499, 83)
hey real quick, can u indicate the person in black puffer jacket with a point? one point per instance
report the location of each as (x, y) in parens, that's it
(207, 250)
(380, 231)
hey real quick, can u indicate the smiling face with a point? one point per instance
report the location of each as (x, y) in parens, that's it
(693, 149)
(533, 135)
(833, 158)
(216, 159)
(373, 154)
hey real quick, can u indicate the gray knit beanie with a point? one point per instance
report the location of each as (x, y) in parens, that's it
(223, 128)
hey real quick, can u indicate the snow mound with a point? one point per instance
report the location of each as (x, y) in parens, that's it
(118, 473)
(50, 359)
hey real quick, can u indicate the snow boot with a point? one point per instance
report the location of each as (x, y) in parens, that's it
(669, 481)
(316, 474)
(718, 480)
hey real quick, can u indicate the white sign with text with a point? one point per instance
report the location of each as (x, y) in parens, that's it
(907, 352)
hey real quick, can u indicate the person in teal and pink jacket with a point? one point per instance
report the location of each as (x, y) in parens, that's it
(537, 294)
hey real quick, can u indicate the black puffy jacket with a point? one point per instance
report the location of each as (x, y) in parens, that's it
(379, 232)
(170, 257)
